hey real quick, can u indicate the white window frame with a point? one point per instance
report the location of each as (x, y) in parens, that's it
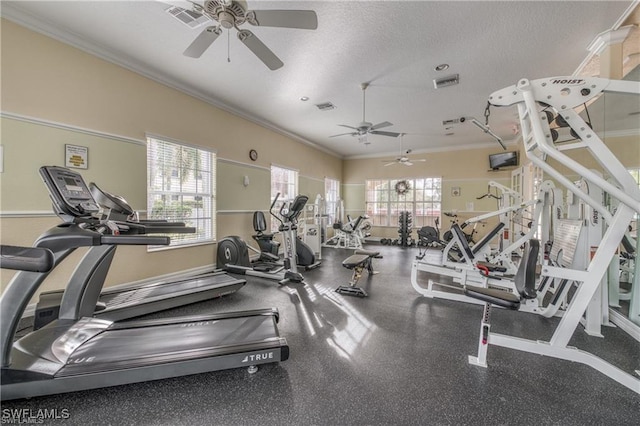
(193, 198)
(635, 173)
(284, 180)
(384, 204)
(331, 198)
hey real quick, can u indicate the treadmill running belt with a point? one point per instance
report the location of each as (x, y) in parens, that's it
(144, 346)
(162, 290)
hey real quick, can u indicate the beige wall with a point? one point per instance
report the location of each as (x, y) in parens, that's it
(56, 83)
(467, 170)
(626, 149)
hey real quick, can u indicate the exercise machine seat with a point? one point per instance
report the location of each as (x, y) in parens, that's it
(495, 296)
(524, 280)
(358, 258)
(260, 224)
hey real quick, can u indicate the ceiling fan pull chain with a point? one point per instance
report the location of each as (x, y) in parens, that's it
(229, 46)
(487, 112)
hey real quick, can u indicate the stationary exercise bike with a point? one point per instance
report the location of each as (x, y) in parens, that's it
(233, 253)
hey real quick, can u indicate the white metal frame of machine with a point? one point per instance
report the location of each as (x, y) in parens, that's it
(565, 94)
(436, 262)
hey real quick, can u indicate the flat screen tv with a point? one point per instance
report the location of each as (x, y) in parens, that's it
(503, 159)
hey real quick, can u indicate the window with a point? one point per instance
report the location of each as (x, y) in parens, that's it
(285, 182)
(635, 173)
(181, 188)
(422, 199)
(332, 197)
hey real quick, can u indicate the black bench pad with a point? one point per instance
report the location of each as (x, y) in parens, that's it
(370, 253)
(494, 296)
(354, 260)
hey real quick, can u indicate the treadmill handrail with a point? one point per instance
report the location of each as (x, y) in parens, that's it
(26, 258)
(61, 240)
(136, 240)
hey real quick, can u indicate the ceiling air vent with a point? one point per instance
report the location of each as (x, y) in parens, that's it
(327, 106)
(449, 80)
(188, 17)
(449, 122)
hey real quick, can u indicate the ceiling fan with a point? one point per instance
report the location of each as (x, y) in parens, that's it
(234, 13)
(402, 158)
(365, 128)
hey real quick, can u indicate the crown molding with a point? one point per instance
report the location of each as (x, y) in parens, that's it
(22, 18)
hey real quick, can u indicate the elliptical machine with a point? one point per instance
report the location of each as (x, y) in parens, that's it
(233, 252)
(269, 247)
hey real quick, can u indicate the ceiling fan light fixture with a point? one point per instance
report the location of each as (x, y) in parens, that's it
(304, 98)
(233, 14)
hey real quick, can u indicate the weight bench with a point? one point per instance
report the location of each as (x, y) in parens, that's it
(358, 261)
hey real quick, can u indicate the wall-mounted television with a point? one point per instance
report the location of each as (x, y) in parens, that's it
(503, 159)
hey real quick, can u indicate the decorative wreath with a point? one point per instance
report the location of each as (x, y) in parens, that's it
(402, 187)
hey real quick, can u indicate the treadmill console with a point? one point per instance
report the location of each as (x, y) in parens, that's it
(68, 191)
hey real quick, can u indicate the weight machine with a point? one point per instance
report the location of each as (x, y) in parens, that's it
(350, 235)
(507, 199)
(465, 270)
(564, 95)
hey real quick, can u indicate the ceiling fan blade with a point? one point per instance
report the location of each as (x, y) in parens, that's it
(391, 134)
(202, 42)
(260, 49)
(380, 125)
(349, 127)
(407, 163)
(343, 134)
(422, 160)
(303, 19)
(389, 164)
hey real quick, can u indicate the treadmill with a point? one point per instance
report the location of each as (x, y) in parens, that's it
(78, 351)
(136, 300)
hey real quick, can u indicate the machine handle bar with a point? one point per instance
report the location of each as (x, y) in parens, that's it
(135, 240)
(271, 209)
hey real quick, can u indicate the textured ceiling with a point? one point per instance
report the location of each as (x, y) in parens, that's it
(393, 45)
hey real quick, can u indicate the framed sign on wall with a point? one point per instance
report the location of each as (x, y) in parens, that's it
(76, 156)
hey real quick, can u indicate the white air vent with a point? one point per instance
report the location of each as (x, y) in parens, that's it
(188, 17)
(327, 106)
(449, 80)
(449, 122)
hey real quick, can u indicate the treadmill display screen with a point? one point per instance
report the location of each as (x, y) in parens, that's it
(72, 185)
